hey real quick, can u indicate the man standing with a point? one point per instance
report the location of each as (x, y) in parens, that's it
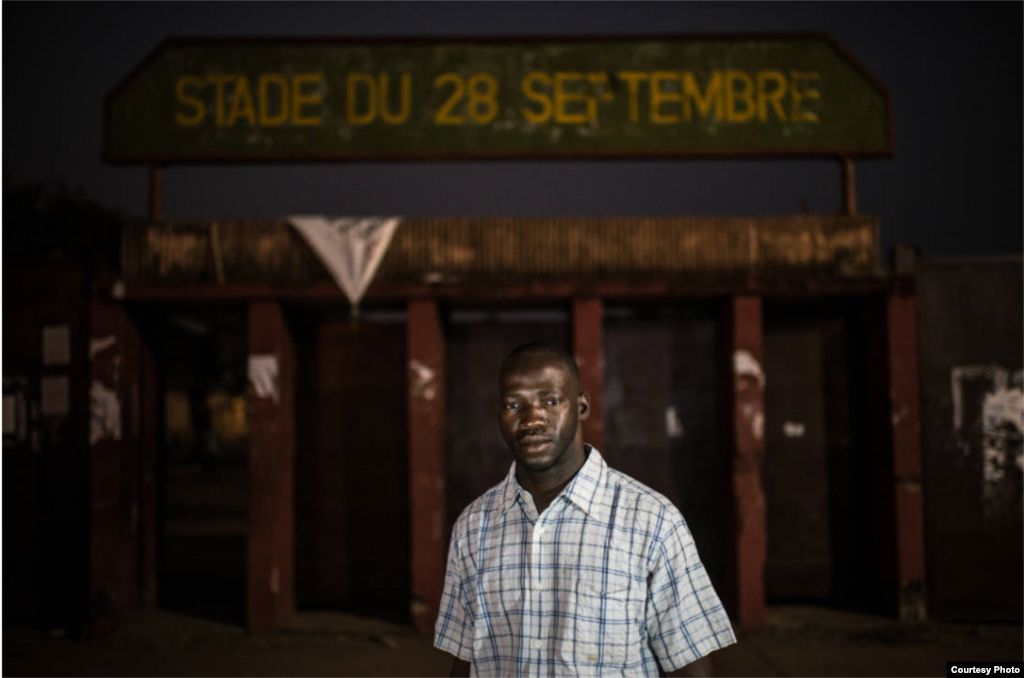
(568, 567)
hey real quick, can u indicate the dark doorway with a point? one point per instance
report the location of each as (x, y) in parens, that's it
(662, 412)
(203, 482)
(477, 341)
(352, 484)
(817, 465)
(45, 391)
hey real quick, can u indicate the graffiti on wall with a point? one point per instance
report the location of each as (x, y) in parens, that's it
(750, 384)
(988, 423)
(263, 376)
(104, 403)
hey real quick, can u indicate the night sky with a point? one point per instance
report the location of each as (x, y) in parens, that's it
(954, 71)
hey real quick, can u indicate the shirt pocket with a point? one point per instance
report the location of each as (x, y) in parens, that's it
(604, 621)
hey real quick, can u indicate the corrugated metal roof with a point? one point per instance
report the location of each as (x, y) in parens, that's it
(501, 251)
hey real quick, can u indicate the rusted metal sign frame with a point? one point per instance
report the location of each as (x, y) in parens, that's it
(227, 157)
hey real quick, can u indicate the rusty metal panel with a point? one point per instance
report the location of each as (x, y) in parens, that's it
(217, 252)
(662, 411)
(352, 496)
(795, 470)
(970, 337)
(822, 543)
(739, 251)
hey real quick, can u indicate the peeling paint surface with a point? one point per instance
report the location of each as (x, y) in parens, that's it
(746, 365)
(1003, 408)
(747, 371)
(263, 376)
(793, 429)
(899, 415)
(97, 346)
(988, 421)
(422, 381)
(104, 413)
(104, 403)
(755, 416)
(673, 426)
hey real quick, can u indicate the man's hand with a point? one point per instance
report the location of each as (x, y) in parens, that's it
(701, 667)
(460, 669)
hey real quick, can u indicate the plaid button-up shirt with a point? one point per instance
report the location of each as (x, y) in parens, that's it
(603, 582)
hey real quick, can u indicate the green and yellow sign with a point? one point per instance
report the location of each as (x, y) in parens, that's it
(264, 100)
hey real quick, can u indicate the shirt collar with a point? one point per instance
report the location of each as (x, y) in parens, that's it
(583, 490)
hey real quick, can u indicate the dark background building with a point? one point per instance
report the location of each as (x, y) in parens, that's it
(839, 425)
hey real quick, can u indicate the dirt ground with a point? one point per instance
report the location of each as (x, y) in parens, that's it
(799, 641)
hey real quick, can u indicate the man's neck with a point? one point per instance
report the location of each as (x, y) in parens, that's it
(547, 485)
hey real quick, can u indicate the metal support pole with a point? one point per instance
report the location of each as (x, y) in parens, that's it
(849, 186)
(156, 191)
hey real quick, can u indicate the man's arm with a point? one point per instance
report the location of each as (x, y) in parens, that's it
(460, 669)
(701, 667)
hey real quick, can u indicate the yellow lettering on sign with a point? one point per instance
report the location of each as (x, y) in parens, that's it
(797, 93)
(528, 85)
(279, 81)
(773, 96)
(483, 98)
(565, 96)
(355, 82)
(633, 79)
(404, 100)
(736, 96)
(444, 114)
(278, 99)
(241, 103)
(712, 96)
(480, 92)
(198, 108)
(733, 96)
(218, 81)
(659, 96)
(299, 99)
(596, 92)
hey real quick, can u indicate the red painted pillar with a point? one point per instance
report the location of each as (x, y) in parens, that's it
(149, 440)
(744, 397)
(114, 471)
(427, 421)
(906, 448)
(270, 586)
(588, 350)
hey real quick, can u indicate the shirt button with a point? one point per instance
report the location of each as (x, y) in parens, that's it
(538, 644)
(537, 586)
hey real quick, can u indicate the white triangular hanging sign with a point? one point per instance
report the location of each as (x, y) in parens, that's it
(350, 247)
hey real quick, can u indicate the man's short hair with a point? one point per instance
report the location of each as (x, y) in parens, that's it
(540, 348)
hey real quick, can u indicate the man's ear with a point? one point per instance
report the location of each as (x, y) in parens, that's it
(584, 405)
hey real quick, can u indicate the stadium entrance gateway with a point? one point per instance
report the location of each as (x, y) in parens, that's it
(442, 299)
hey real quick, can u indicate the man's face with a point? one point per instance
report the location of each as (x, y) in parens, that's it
(539, 411)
